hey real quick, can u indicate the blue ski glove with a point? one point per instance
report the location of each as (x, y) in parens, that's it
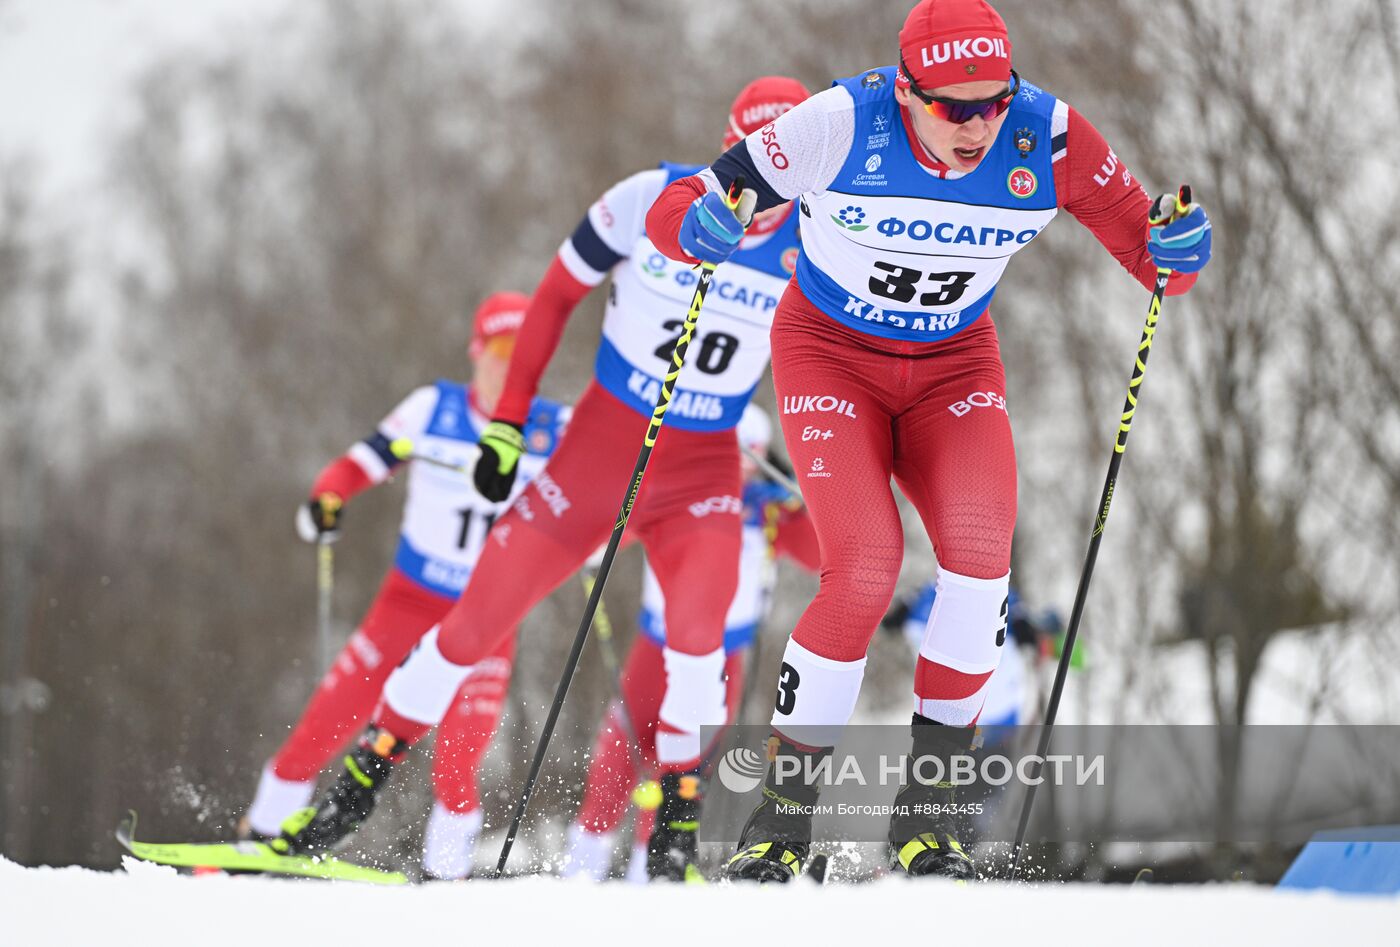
(1179, 238)
(710, 231)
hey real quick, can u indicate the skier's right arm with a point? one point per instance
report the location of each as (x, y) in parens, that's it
(368, 462)
(800, 152)
(603, 239)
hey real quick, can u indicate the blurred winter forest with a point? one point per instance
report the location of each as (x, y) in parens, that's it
(293, 231)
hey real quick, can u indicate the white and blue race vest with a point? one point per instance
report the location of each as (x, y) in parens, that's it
(893, 250)
(445, 519)
(646, 310)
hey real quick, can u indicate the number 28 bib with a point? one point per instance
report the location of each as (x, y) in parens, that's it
(647, 303)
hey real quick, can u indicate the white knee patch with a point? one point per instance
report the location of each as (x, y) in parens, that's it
(694, 699)
(423, 686)
(816, 696)
(967, 627)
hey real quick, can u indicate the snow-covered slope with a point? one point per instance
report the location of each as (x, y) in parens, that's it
(152, 905)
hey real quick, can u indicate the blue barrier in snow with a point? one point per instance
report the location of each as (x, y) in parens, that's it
(1357, 861)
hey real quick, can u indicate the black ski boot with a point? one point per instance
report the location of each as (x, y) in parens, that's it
(349, 801)
(923, 826)
(778, 836)
(671, 850)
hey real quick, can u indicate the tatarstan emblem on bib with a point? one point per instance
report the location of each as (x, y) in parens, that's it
(1022, 182)
(789, 260)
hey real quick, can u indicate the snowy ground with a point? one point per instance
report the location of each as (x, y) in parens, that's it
(152, 905)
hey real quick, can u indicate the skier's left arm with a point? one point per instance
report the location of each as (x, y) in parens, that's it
(1094, 185)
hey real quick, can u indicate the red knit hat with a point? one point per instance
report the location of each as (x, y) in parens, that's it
(945, 42)
(759, 103)
(499, 314)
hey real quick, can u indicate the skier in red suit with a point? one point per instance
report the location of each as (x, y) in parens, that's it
(687, 514)
(444, 527)
(917, 183)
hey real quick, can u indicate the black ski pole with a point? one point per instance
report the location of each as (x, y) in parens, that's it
(658, 415)
(782, 479)
(613, 667)
(1158, 215)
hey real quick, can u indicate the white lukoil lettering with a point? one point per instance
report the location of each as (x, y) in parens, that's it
(1110, 164)
(365, 649)
(803, 404)
(765, 113)
(552, 495)
(982, 47)
(978, 399)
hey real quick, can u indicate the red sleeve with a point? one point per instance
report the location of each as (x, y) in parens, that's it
(1093, 184)
(551, 305)
(664, 218)
(343, 477)
(797, 539)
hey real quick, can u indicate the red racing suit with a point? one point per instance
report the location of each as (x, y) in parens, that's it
(444, 526)
(886, 362)
(686, 513)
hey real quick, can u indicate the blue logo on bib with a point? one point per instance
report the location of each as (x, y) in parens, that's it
(851, 218)
(655, 265)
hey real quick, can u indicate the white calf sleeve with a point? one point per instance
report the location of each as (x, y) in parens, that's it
(637, 873)
(423, 686)
(276, 799)
(450, 842)
(816, 696)
(966, 633)
(694, 698)
(589, 854)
